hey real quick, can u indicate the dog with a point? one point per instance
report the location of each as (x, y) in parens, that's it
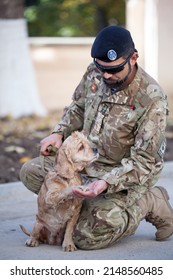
(58, 208)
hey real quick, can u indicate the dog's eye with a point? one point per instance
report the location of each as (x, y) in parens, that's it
(81, 147)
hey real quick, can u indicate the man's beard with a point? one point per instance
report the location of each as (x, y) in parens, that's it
(112, 84)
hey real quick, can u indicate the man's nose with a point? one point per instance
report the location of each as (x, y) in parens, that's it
(107, 75)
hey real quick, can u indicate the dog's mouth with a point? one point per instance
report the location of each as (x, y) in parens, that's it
(95, 157)
(88, 161)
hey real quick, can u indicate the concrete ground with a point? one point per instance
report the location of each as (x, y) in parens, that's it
(18, 206)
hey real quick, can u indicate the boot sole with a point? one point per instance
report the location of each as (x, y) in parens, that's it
(166, 197)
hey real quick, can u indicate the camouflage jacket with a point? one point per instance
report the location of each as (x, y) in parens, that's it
(128, 128)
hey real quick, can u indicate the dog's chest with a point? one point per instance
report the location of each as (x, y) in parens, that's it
(65, 210)
(60, 214)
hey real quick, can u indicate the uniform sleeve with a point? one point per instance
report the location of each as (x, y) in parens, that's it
(73, 115)
(146, 156)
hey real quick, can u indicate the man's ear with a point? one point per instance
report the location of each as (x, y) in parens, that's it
(134, 58)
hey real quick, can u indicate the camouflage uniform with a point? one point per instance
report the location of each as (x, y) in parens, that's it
(128, 128)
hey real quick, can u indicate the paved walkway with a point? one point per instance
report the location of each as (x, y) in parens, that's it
(18, 206)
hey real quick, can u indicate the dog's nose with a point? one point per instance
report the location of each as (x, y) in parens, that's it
(95, 150)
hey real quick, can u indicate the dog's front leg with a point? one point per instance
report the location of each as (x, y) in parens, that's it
(34, 240)
(54, 198)
(68, 243)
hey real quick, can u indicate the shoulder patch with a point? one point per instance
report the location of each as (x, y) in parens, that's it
(162, 149)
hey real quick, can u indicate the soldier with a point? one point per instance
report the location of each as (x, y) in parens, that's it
(122, 111)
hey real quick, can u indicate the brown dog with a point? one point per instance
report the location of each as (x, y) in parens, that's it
(58, 209)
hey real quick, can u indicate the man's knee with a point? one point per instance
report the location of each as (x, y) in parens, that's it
(32, 175)
(100, 227)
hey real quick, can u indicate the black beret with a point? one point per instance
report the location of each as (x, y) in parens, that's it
(111, 43)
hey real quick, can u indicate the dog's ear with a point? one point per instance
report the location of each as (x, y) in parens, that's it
(67, 152)
(76, 134)
(63, 164)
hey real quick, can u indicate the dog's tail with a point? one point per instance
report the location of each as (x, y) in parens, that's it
(25, 230)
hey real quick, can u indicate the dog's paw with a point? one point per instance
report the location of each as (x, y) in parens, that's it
(32, 242)
(83, 188)
(69, 247)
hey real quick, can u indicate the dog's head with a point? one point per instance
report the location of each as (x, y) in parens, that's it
(75, 154)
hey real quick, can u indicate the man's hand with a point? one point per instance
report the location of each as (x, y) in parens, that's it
(91, 190)
(51, 140)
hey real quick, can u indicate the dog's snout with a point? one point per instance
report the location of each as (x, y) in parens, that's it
(95, 150)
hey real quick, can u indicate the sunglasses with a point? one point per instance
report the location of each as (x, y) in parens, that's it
(112, 69)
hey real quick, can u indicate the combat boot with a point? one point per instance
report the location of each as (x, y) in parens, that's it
(156, 209)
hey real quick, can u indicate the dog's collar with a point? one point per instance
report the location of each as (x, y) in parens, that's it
(63, 177)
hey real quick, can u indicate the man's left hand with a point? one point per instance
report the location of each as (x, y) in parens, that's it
(91, 190)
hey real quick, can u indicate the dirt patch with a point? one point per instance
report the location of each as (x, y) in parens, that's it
(19, 142)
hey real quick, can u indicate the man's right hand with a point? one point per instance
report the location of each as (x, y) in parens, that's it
(51, 140)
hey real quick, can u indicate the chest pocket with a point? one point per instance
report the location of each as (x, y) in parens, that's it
(117, 135)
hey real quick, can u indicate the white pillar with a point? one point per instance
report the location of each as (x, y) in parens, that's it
(135, 24)
(151, 38)
(142, 21)
(152, 32)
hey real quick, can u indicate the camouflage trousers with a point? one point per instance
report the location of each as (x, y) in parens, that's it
(103, 221)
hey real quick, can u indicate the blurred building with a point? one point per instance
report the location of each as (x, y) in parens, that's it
(60, 63)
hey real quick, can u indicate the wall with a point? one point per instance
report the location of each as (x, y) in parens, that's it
(58, 70)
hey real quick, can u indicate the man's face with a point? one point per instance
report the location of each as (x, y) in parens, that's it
(118, 78)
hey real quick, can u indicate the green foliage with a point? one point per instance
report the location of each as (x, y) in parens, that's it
(72, 17)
